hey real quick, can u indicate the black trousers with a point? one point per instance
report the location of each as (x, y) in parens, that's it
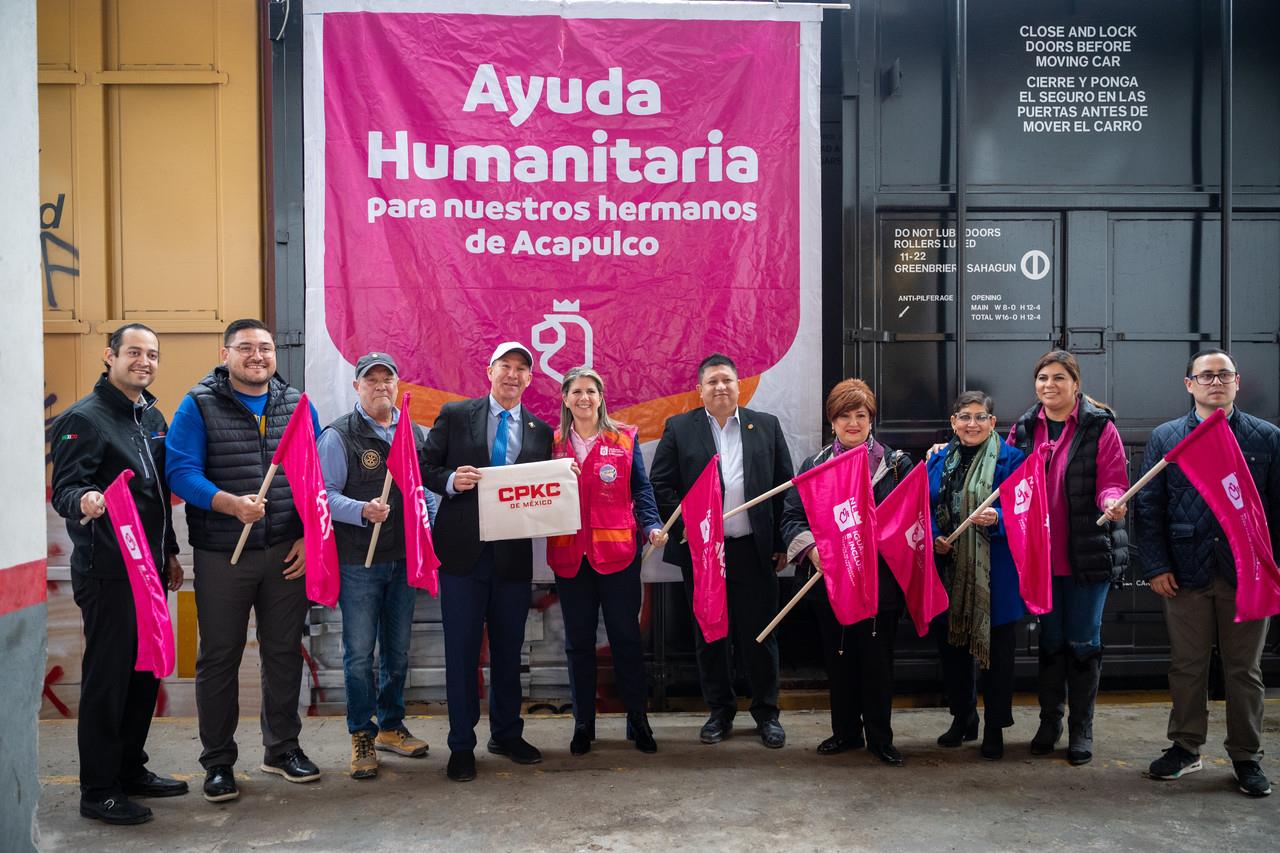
(753, 601)
(859, 660)
(582, 599)
(960, 674)
(116, 702)
(224, 596)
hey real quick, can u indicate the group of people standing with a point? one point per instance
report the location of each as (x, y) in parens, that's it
(216, 453)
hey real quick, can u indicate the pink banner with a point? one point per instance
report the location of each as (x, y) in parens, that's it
(703, 511)
(297, 454)
(905, 538)
(841, 510)
(420, 555)
(1026, 524)
(1210, 457)
(598, 188)
(150, 601)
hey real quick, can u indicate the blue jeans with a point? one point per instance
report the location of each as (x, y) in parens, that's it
(377, 606)
(1076, 619)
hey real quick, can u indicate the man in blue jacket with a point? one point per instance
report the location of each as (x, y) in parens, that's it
(1188, 562)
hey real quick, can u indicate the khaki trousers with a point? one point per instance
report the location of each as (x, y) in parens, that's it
(1197, 619)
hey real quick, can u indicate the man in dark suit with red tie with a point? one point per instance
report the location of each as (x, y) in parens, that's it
(483, 583)
(753, 459)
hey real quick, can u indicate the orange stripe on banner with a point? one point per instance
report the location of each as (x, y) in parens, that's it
(22, 586)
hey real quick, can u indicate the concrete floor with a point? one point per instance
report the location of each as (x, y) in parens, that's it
(736, 795)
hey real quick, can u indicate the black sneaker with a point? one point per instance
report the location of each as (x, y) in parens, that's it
(116, 810)
(151, 785)
(1251, 779)
(1174, 764)
(220, 784)
(293, 765)
(715, 729)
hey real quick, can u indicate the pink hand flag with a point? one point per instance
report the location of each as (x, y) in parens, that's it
(298, 456)
(1026, 525)
(150, 601)
(841, 510)
(402, 462)
(904, 535)
(1210, 457)
(703, 511)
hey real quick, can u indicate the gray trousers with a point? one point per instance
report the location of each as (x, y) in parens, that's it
(1197, 618)
(224, 595)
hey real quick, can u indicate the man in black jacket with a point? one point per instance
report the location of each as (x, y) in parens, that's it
(1189, 563)
(224, 434)
(753, 459)
(115, 428)
(483, 585)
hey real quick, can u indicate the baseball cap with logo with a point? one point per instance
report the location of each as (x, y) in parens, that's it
(374, 359)
(508, 347)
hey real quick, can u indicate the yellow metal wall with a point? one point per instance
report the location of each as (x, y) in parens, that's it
(151, 210)
(150, 181)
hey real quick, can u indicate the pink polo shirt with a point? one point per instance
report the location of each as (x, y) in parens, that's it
(1112, 479)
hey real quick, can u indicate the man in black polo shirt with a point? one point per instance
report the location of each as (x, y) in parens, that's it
(377, 601)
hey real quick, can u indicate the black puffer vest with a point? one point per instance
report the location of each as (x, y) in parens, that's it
(1096, 553)
(366, 472)
(237, 456)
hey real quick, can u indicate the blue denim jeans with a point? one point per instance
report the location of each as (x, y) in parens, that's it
(1076, 619)
(377, 607)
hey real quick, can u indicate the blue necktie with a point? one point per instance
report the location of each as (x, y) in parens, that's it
(499, 455)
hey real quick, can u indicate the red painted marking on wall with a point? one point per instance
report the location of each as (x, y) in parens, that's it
(54, 676)
(22, 586)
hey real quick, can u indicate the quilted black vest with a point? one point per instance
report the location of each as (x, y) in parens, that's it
(1096, 553)
(366, 472)
(237, 456)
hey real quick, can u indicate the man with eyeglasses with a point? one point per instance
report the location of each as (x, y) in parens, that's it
(219, 448)
(1188, 563)
(376, 599)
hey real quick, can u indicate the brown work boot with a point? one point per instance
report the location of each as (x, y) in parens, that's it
(399, 741)
(364, 761)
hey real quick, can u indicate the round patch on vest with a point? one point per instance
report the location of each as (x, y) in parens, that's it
(608, 473)
(371, 459)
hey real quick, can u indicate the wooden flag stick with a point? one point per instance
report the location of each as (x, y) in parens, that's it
(968, 521)
(1136, 487)
(262, 493)
(761, 498)
(776, 490)
(795, 599)
(377, 528)
(666, 528)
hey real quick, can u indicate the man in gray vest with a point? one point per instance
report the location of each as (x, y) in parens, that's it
(377, 601)
(219, 447)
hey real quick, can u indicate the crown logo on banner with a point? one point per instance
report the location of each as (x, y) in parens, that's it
(565, 304)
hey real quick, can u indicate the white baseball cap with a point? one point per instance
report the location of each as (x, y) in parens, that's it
(508, 347)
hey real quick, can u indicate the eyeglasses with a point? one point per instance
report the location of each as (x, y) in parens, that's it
(966, 418)
(249, 349)
(1226, 377)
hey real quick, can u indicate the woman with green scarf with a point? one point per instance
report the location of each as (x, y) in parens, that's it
(977, 630)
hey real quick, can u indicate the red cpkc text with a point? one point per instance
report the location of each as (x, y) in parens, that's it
(508, 494)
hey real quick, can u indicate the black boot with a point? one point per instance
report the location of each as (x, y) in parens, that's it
(1082, 693)
(638, 730)
(1053, 694)
(964, 727)
(583, 734)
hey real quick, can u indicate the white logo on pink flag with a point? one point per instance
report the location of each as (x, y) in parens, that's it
(916, 535)
(1231, 486)
(1022, 495)
(846, 514)
(130, 541)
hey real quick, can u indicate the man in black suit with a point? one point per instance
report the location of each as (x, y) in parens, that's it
(753, 459)
(483, 583)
